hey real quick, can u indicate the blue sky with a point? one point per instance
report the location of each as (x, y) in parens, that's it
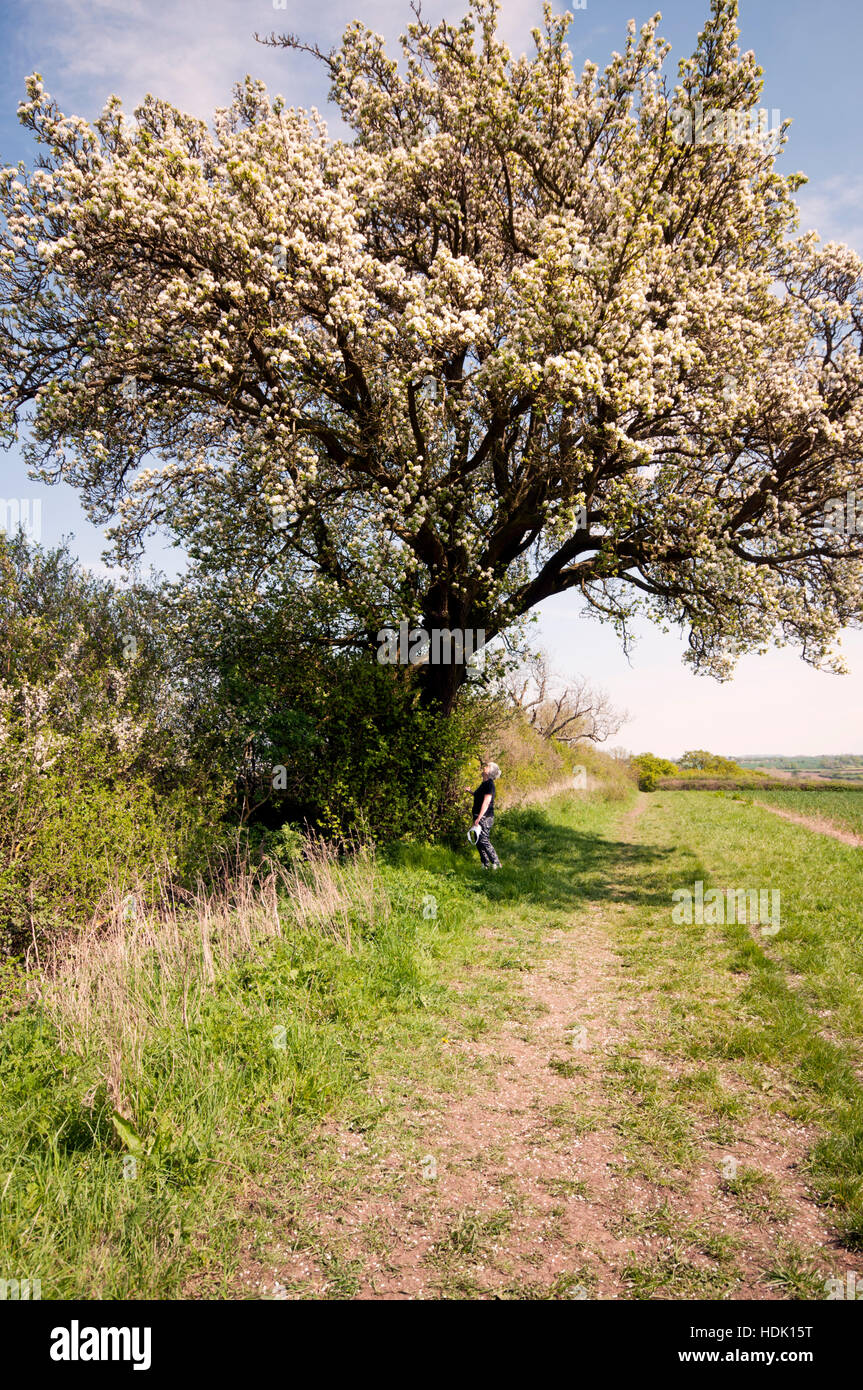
(192, 51)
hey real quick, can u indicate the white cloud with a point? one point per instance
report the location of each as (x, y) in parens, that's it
(192, 52)
(834, 208)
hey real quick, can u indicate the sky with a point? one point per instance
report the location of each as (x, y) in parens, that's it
(191, 52)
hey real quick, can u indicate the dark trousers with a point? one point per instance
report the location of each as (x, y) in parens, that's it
(487, 851)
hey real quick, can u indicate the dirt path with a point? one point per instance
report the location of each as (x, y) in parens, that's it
(529, 1179)
(822, 827)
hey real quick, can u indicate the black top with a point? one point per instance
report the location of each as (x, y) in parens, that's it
(484, 789)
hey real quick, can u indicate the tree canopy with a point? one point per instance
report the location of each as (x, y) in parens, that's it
(511, 337)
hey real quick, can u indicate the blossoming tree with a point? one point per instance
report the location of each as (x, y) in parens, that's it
(510, 338)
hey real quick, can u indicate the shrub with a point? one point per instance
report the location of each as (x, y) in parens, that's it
(80, 811)
(648, 768)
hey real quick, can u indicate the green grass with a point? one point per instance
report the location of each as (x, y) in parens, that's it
(671, 1274)
(758, 1195)
(786, 1010)
(794, 1275)
(228, 1127)
(214, 1106)
(224, 1093)
(841, 806)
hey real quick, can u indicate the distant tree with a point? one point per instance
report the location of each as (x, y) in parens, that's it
(698, 759)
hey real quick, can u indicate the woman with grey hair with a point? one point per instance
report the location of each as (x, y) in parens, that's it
(483, 815)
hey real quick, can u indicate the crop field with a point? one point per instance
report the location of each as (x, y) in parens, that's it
(847, 769)
(839, 806)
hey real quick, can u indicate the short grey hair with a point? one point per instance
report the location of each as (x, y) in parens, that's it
(493, 770)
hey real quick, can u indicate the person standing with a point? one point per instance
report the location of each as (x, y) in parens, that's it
(483, 815)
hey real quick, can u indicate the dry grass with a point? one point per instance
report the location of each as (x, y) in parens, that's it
(110, 987)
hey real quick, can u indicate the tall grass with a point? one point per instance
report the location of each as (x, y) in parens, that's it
(535, 768)
(110, 989)
(172, 1050)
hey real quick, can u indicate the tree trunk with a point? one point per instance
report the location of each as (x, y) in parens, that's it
(441, 683)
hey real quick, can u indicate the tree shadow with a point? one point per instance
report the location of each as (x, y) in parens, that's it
(556, 866)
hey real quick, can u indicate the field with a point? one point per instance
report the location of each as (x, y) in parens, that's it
(404, 1078)
(839, 806)
(844, 768)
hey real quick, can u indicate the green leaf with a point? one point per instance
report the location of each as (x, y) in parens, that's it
(127, 1134)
